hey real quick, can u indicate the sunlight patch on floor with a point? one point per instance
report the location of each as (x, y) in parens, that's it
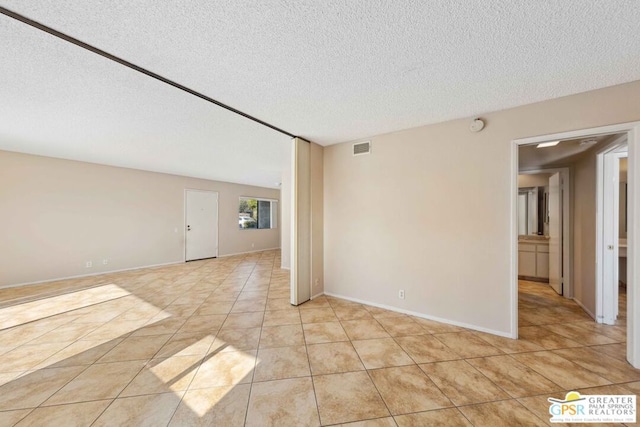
(40, 309)
(214, 364)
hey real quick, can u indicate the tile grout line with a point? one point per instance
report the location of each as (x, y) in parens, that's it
(255, 361)
(367, 370)
(188, 387)
(199, 279)
(138, 373)
(143, 367)
(313, 385)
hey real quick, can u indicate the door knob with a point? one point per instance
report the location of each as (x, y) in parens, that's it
(610, 247)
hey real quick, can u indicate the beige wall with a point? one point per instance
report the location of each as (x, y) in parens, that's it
(57, 214)
(584, 231)
(429, 210)
(533, 180)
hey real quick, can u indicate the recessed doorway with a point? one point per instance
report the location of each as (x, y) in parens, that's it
(583, 215)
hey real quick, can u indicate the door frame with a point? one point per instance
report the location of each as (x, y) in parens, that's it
(567, 226)
(184, 221)
(633, 234)
(607, 295)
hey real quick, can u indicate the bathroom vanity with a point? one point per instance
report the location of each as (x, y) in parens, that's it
(533, 258)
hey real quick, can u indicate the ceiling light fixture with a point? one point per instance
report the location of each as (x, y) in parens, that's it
(548, 144)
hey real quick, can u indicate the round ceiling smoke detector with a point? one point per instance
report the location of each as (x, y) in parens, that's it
(476, 125)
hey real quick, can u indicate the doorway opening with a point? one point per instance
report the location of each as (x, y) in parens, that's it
(544, 227)
(582, 236)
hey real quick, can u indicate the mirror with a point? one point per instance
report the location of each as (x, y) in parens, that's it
(533, 214)
(622, 210)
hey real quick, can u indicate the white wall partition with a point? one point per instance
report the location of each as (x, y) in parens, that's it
(307, 223)
(301, 222)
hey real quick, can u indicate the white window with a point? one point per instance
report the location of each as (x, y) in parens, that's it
(256, 213)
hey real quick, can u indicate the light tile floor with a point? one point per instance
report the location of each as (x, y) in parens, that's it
(216, 342)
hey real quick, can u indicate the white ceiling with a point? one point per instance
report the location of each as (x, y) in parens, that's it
(61, 101)
(330, 71)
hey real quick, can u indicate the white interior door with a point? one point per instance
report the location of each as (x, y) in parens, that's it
(555, 233)
(201, 234)
(610, 216)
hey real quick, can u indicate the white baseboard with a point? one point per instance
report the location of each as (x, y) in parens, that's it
(423, 316)
(584, 308)
(317, 295)
(79, 276)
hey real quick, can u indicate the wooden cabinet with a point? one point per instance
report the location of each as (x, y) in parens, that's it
(542, 260)
(533, 260)
(542, 265)
(526, 259)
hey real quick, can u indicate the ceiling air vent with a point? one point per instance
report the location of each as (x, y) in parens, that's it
(360, 148)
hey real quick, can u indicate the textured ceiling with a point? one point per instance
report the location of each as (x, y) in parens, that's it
(61, 101)
(330, 71)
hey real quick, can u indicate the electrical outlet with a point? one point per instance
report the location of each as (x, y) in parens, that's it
(317, 282)
(105, 261)
(253, 245)
(401, 294)
(88, 264)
